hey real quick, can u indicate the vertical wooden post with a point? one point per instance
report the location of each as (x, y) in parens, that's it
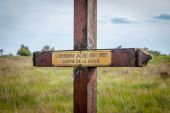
(85, 35)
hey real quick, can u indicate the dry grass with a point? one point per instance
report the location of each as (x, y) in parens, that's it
(26, 89)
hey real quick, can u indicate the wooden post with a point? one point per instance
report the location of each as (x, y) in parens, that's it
(85, 36)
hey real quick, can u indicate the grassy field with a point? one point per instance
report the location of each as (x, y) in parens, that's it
(27, 89)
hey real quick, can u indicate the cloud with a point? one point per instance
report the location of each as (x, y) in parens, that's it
(162, 17)
(36, 23)
(121, 21)
(115, 20)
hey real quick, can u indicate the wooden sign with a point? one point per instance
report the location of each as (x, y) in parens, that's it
(130, 57)
(82, 58)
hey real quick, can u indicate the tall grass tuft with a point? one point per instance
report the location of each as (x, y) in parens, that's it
(28, 89)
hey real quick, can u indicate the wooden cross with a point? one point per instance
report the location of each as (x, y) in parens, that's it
(85, 58)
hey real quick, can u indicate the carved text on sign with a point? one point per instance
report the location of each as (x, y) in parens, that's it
(83, 58)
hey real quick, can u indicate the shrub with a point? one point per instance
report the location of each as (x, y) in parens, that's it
(24, 51)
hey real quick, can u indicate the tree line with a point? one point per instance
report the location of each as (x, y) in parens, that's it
(24, 51)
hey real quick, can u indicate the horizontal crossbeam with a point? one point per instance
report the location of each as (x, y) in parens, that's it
(130, 57)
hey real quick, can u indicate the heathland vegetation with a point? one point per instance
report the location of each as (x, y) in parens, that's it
(24, 51)
(28, 89)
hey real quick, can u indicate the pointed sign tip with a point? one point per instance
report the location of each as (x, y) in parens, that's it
(143, 57)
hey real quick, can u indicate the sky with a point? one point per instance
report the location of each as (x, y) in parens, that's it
(129, 23)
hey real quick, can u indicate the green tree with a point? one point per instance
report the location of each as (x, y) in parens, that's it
(52, 49)
(155, 53)
(1, 52)
(152, 52)
(24, 51)
(47, 48)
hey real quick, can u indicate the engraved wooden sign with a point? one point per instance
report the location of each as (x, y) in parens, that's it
(82, 58)
(129, 57)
